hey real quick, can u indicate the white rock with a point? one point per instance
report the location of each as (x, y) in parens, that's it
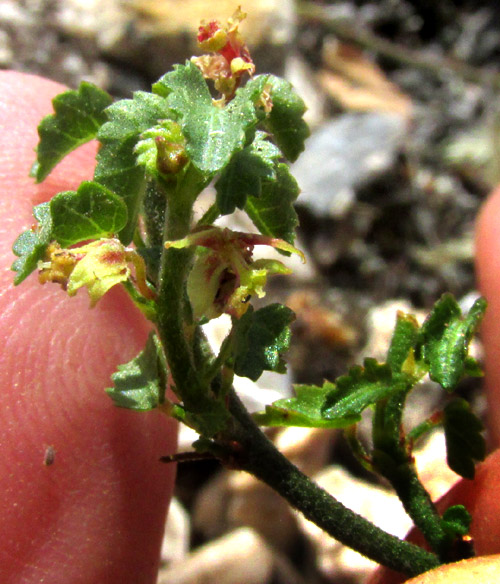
(344, 154)
(430, 460)
(176, 540)
(235, 499)
(6, 52)
(381, 321)
(239, 557)
(307, 448)
(255, 504)
(299, 73)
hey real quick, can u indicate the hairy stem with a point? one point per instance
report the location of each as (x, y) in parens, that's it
(175, 327)
(394, 462)
(261, 459)
(172, 327)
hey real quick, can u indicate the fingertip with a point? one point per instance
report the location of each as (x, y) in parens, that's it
(488, 242)
(97, 513)
(488, 279)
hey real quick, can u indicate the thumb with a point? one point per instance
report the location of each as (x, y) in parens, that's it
(97, 513)
(488, 275)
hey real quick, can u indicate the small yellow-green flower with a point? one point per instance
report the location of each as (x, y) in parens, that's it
(224, 275)
(98, 266)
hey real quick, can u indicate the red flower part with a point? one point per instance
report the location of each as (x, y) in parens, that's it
(235, 48)
(207, 31)
(230, 57)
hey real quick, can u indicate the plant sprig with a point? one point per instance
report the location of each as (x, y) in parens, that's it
(132, 225)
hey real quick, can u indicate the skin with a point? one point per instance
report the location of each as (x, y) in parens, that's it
(96, 514)
(482, 569)
(488, 277)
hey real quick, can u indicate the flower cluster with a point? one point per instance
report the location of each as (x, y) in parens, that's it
(162, 150)
(224, 275)
(229, 59)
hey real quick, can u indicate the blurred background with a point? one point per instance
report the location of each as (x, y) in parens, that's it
(403, 105)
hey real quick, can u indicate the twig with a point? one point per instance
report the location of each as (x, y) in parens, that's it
(260, 458)
(187, 457)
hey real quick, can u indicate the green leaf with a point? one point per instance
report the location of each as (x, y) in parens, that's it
(213, 132)
(456, 521)
(465, 443)
(30, 246)
(260, 338)
(117, 167)
(285, 121)
(78, 115)
(305, 410)
(273, 213)
(209, 418)
(336, 405)
(445, 338)
(403, 341)
(91, 212)
(363, 387)
(118, 171)
(244, 174)
(472, 368)
(140, 384)
(129, 117)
